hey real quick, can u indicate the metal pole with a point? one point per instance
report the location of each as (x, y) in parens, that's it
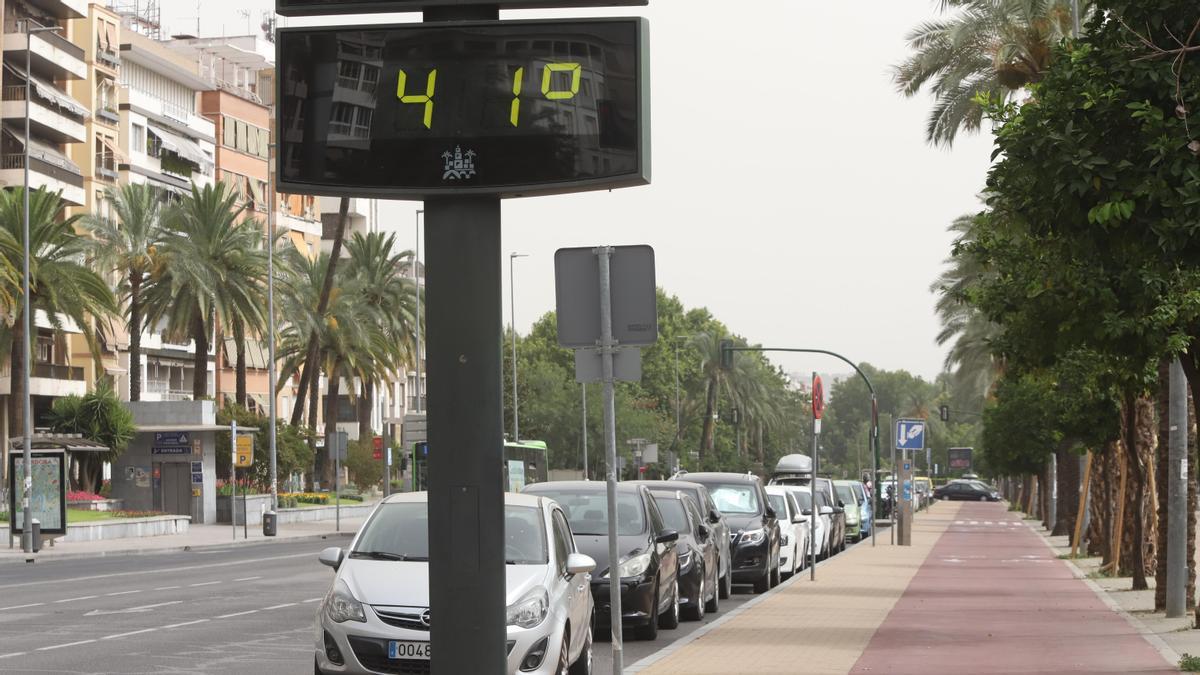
(678, 425)
(895, 498)
(272, 375)
(874, 467)
(1075, 18)
(512, 308)
(417, 290)
(27, 311)
(337, 485)
(610, 449)
(233, 476)
(816, 510)
(583, 387)
(1177, 494)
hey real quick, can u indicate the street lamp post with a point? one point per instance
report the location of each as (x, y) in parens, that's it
(272, 375)
(417, 292)
(31, 29)
(512, 308)
(678, 404)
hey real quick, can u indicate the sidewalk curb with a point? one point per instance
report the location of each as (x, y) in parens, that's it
(15, 559)
(1164, 650)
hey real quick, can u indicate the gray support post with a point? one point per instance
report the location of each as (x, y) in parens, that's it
(584, 429)
(816, 510)
(272, 373)
(894, 516)
(233, 476)
(465, 332)
(1177, 490)
(607, 345)
(27, 340)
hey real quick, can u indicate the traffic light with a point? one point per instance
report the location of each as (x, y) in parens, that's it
(726, 354)
(944, 412)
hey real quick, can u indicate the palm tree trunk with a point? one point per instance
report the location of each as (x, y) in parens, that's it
(366, 400)
(135, 336)
(710, 409)
(335, 253)
(333, 388)
(200, 360)
(318, 457)
(239, 339)
(16, 411)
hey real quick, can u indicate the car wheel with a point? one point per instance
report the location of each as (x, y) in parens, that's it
(696, 606)
(650, 630)
(775, 580)
(726, 586)
(583, 664)
(712, 604)
(564, 654)
(982, 499)
(670, 620)
(316, 668)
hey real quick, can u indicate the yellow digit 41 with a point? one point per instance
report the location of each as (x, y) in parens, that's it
(426, 98)
(576, 71)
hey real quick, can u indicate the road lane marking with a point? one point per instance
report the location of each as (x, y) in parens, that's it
(167, 588)
(204, 583)
(286, 604)
(185, 623)
(32, 604)
(311, 600)
(69, 644)
(132, 632)
(131, 610)
(230, 616)
(111, 595)
(82, 597)
(247, 579)
(165, 570)
(5, 656)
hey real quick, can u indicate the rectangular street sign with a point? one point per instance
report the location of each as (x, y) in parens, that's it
(314, 7)
(960, 458)
(414, 430)
(48, 503)
(508, 108)
(634, 296)
(910, 434)
(245, 452)
(337, 445)
(172, 443)
(627, 365)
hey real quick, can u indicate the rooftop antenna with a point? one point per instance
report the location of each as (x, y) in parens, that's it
(246, 15)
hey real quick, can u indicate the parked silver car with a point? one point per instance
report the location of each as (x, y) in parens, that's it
(376, 615)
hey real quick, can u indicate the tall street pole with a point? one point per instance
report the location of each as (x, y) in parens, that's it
(1177, 493)
(417, 290)
(512, 309)
(583, 387)
(607, 344)
(272, 375)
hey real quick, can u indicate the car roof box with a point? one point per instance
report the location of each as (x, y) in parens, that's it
(793, 467)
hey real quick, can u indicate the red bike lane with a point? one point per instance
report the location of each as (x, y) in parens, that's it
(993, 598)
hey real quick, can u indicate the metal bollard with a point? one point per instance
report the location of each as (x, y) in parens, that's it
(35, 527)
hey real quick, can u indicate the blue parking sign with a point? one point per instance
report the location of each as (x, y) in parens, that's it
(910, 434)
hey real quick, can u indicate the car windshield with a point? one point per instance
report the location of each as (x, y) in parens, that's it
(587, 511)
(846, 494)
(400, 531)
(980, 486)
(804, 499)
(671, 508)
(779, 503)
(738, 499)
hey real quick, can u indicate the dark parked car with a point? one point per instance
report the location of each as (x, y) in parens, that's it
(714, 519)
(649, 563)
(697, 548)
(753, 529)
(967, 490)
(827, 496)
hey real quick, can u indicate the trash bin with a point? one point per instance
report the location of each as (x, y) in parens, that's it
(269, 524)
(35, 528)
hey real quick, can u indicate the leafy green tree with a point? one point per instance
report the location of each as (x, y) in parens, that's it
(980, 50)
(61, 284)
(126, 245)
(98, 416)
(292, 451)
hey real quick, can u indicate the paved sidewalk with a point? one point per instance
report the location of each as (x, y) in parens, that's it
(807, 627)
(198, 537)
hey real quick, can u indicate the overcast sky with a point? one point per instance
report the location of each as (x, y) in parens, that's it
(793, 193)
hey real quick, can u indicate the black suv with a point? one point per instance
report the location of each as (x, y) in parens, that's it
(649, 564)
(753, 529)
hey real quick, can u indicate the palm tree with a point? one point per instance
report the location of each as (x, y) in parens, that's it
(984, 49)
(60, 284)
(127, 245)
(211, 269)
(736, 384)
(380, 271)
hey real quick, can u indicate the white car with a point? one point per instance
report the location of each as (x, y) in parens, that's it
(375, 618)
(793, 530)
(822, 521)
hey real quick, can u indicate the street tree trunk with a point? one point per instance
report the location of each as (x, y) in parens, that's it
(1068, 491)
(200, 360)
(708, 430)
(239, 379)
(319, 457)
(1138, 438)
(16, 411)
(366, 401)
(333, 388)
(135, 336)
(310, 366)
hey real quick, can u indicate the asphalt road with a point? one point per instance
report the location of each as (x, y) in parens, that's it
(247, 609)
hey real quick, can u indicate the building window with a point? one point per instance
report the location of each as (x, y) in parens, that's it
(45, 349)
(139, 138)
(230, 138)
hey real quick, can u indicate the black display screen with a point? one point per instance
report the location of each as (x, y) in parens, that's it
(498, 107)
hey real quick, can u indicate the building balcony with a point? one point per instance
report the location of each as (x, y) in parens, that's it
(180, 116)
(163, 390)
(55, 123)
(48, 379)
(45, 171)
(63, 9)
(296, 224)
(50, 55)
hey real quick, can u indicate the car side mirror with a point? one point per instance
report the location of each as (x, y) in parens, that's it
(714, 516)
(841, 504)
(827, 510)
(770, 512)
(806, 512)
(331, 557)
(578, 563)
(800, 519)
(666, 537)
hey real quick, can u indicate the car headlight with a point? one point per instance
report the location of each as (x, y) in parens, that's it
(752, 537)
(635, 566)
(530, 610)
(341, 606)
(685, 560)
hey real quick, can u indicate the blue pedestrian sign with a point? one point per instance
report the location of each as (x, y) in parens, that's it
(910, 434)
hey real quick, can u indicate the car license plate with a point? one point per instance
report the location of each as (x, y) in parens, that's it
(398, 649)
